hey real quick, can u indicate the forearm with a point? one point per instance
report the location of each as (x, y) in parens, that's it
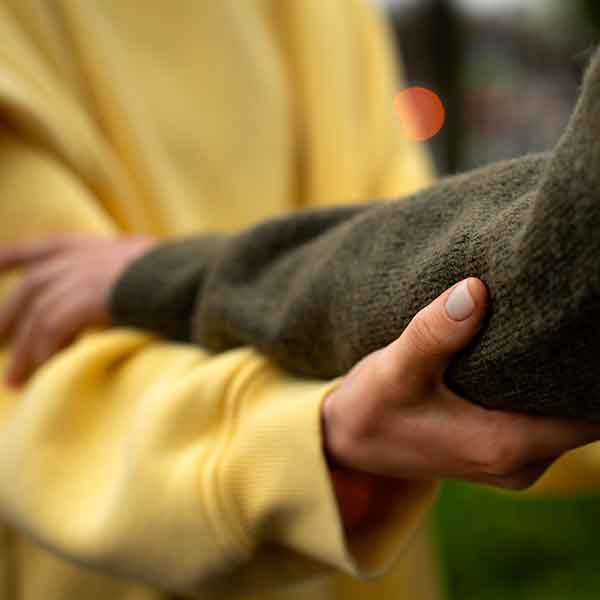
(160, 292)
(317, 291)
(215, 443)
(153, 461)
(317, 299)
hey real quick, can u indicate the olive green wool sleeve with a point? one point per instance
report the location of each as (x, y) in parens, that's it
(318, 290)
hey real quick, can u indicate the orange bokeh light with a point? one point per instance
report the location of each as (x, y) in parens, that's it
(421, 113)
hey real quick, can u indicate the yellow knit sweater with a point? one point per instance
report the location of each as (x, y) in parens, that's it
(127, 459)
(151, 461)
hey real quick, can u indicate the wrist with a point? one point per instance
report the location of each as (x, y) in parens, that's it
(363, 498)
(330, 434)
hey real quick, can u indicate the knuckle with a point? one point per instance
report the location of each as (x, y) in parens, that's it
(40, 318)
(32, 282)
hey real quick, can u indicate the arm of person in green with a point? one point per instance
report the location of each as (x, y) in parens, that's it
(319, 290)
(406, 373)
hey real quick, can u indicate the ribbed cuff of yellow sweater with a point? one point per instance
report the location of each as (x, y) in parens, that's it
(289, 492)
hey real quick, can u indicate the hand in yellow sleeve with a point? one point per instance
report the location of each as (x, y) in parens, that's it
(65, 291)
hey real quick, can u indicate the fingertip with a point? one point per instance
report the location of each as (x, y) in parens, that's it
(466, 300)
(459, 302)
(478, 291)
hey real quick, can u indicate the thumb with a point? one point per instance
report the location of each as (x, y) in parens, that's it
(424, 350)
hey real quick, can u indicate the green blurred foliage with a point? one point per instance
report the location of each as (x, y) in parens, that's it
(498, 546)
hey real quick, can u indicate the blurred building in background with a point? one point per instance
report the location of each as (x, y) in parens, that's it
(507, 70)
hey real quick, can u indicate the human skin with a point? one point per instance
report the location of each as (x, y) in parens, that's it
(390, 420)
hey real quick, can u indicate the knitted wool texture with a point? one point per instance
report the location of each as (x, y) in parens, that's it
(319, 290)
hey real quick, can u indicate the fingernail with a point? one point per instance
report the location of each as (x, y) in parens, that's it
(460, 305)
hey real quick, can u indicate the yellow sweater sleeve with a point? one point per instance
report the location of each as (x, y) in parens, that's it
(157, 462)
(154, 461)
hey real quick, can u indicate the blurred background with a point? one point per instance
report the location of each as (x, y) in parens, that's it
(508, 72)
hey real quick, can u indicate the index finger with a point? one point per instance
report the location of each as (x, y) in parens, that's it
(553, 436)
(20, 253)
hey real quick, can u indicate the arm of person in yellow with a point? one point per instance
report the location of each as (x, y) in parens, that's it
(158, 462)
(151, 461)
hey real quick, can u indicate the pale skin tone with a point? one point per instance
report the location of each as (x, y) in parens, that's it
(391, 416)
